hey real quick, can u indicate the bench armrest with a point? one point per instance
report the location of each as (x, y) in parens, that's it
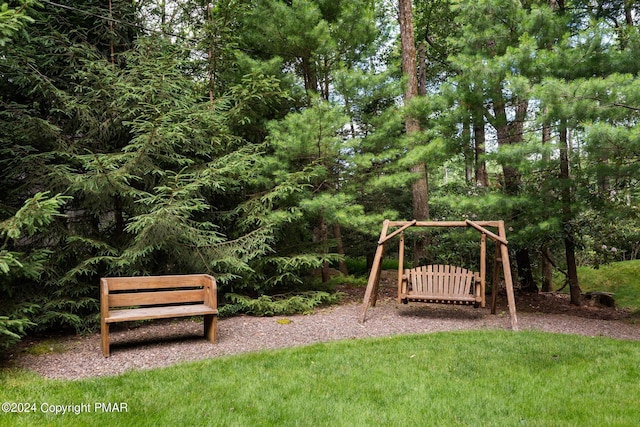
(210, 292)
(104, 298)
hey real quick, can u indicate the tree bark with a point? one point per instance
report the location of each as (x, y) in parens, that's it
(479, 137)
(422, 80)
(569, 241)
(309, 75)
(511, 132)
(337, 234)
(547, 269)
(420, 189)
(321, 235)
(112, 51)
(468, 150)
(628, 12)
(525, 272)
(565, 195)
(545, 253)
(407, 38)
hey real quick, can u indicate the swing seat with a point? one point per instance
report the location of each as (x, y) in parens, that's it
(445, 284)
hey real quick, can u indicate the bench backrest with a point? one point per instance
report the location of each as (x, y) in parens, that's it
(444, 280)
(157, 290)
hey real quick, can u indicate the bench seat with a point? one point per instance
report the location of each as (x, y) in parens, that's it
(443, 298)
(148, 313)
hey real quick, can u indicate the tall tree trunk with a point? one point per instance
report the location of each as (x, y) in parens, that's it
(604, 185)
(420, 189)
(309, 75)
(525, 272)
(321, 236)
(337, 234)
(468, 150)
(347, 106)
(422, 75)
(547, 269)
(511, 133)
(210, 67)
(546, 264)
(407, 38)
(420, 192)
(628, 12)
(569, 242)
(409, 69)
(112, 51)
(325, 80)
(479, 137)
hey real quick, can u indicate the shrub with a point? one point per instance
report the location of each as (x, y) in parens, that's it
(303, 303)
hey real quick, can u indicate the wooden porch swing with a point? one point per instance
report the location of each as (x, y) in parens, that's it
(445, 283)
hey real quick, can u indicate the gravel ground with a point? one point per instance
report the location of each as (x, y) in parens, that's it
(164, 343)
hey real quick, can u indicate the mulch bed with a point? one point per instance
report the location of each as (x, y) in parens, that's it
(163, 343)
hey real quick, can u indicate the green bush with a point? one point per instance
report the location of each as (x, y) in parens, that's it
(12, 330)
(358, 266)
(303, 303)
(20, 265)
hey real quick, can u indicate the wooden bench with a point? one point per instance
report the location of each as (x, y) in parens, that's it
(441, 284)
(157, 297)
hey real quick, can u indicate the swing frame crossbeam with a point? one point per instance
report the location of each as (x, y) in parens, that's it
(501, 259)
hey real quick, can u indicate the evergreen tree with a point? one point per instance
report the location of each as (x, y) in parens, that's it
(160, 183)
(15, 312)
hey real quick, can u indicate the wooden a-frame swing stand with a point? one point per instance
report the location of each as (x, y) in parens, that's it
(445, 283)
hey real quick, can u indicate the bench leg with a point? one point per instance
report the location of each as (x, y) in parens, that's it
(104, 337)
(211, 327)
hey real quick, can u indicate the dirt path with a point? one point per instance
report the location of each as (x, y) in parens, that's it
(164, 343)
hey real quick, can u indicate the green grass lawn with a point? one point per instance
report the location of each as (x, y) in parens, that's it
(620, 278)
(479, 378)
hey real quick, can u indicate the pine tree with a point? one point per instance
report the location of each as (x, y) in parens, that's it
(159, 181)
(16, 265)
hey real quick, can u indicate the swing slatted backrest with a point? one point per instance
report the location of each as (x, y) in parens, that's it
(440, 283)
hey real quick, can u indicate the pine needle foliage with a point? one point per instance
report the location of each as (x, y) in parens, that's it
(283, 305)
(154, 178)
(37, 212)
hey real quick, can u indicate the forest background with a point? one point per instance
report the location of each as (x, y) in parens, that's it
(260, 141)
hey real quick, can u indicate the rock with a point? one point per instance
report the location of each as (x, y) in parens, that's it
(603, 299)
